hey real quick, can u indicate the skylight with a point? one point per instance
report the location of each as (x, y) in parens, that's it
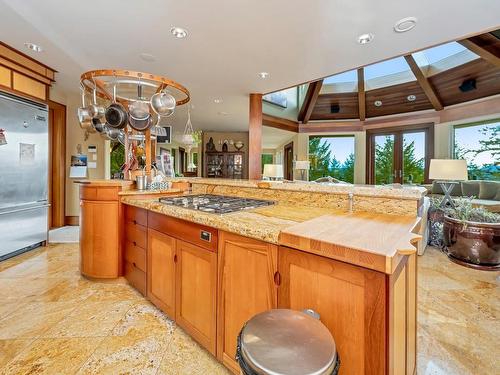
(342, 82)
(446, 56)
(388, 73)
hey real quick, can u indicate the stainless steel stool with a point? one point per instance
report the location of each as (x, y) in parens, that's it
(286, 342)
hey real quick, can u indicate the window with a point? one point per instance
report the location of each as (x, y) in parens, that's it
(343, 82)
(195, 158)
(266, 159)
(332, 156)
(479, 144)
(117, 158)
(388, 73)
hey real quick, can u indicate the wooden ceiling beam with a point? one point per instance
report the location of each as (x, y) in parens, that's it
(424, 83)
(310, 101)
(361, 94)
(280, 123)
(481, 46)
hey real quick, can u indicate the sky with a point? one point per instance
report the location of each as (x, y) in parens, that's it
(398, 64)
(340, 147)
(469, 138)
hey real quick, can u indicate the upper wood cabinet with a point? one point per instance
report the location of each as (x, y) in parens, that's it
(246, 269)
(196, 285)
(21, 74)
(161, 282)
(351, 301)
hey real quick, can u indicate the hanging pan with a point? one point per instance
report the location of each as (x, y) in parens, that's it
(116, 115)
(139, 116)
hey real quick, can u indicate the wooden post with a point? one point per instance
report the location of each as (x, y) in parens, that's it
(255, 137)
(147, 135)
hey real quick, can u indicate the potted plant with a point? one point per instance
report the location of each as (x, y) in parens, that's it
(471, 235)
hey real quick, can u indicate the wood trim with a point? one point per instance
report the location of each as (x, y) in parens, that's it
(24, 71)
(57, 164)
(255, 137)
(329, 127)
(27, 57)
(310, 101)
(288, 170)
(479, 45)
(72, 220)
(22, 94)
(424, 83)
(280, 123)
(361, 94)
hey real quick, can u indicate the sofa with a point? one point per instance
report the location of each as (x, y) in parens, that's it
(485, 193)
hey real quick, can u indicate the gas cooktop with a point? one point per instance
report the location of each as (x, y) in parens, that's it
(217, 204)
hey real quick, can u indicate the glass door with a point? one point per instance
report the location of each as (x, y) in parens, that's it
(384, 166)
(399, 155)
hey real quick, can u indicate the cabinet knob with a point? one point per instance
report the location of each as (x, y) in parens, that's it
(135, 265)
(135, 243)
(135, 222)
(175, 258)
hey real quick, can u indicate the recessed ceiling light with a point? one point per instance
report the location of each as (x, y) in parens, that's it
(365, 38)
(405, 24)
(411, 98)
(179, 32)
(33, 47)
(218, 100)
(147, 57)
(263, 75)
(377, 103)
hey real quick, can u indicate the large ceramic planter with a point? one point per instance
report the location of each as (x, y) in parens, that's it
(472, 244)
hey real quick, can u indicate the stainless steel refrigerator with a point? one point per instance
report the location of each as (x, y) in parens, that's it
(24, 147)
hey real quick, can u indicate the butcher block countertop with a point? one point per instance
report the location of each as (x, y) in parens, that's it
(375, 241)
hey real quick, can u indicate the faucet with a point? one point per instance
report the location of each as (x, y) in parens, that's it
(351, 202)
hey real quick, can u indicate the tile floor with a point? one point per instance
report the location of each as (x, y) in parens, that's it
(53, 321)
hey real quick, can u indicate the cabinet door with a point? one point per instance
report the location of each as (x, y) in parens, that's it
(99, 240)
(161, 271)
(350, 300)
(196, 287)
(246, 271)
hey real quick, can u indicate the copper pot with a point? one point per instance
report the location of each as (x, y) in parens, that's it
(475, 245)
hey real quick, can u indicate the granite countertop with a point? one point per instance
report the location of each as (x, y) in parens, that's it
(387, 191)
(375, 241)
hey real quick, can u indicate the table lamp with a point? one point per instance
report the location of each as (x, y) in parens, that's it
(302, 166)
(273, 171)
(447, 173)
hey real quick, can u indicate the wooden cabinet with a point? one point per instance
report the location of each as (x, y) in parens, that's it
(225, 164)
(196, 285)
(99, 239)
(247, 270)
(135, 247)
(351, 301)
(402, 318)
(161, 271)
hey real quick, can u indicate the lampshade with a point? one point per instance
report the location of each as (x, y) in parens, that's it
(302, 164)
(273, 170)
(448, 169)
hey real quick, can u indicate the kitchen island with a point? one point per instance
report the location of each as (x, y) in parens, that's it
(211, 273)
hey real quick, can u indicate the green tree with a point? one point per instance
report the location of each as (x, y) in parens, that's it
(347, 171)
(117, 157)
(319, 156)
(413, 168)
(384, 161)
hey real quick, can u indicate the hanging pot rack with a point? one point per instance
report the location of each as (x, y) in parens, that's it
(115, 84)
(103, 80)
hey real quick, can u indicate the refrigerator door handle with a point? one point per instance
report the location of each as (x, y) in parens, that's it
(25, 209)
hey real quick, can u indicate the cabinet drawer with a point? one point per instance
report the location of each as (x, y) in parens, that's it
(199, 235)
(135, 277)
(136, 215)
(137, 234)
(135, 255)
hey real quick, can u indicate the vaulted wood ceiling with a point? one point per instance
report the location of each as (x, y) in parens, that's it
(434, 92)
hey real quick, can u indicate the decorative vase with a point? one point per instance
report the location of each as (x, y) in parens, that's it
(238, 145)
(210, 146)
(475, 245)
